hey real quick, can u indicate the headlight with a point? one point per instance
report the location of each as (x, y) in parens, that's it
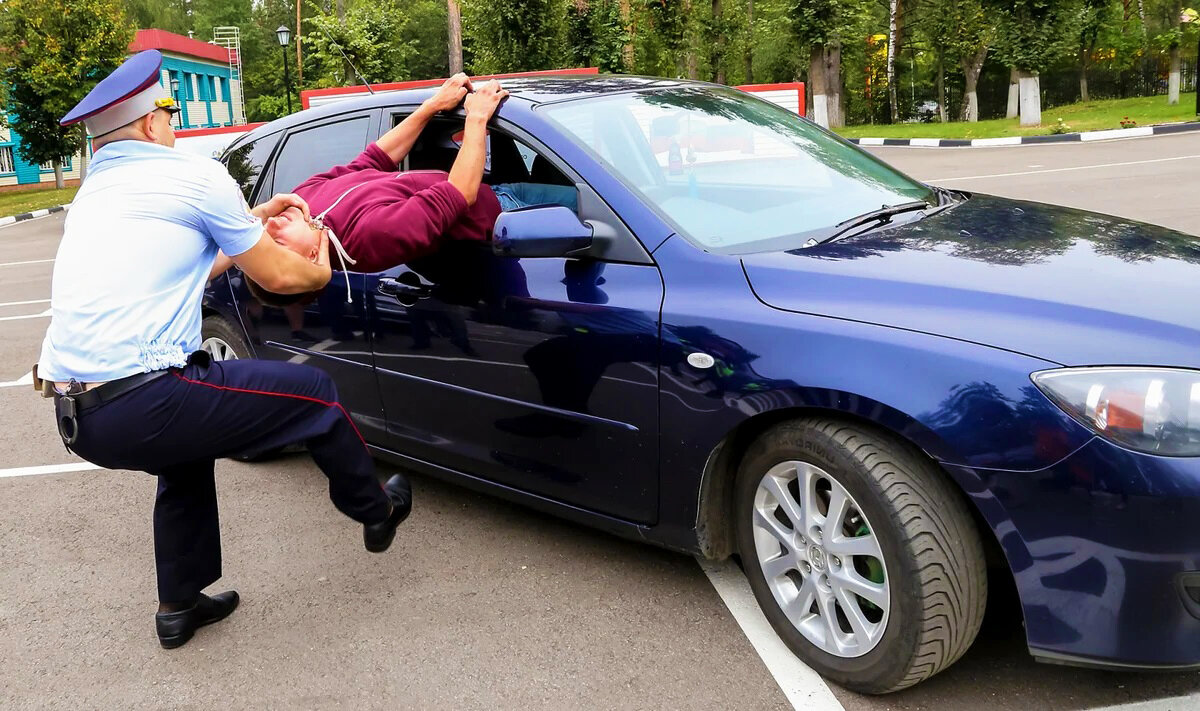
(1154, 410)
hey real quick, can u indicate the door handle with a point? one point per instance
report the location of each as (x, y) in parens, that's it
(407, 294)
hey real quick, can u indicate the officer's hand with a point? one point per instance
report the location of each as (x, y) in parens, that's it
(278, 204)
(322, 259)
(451, 93)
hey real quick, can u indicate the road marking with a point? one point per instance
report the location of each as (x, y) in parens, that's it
(48, 469)
(26, 379)
(43, 314)
(1175, 703)
(32, 261)
(1063, 170)
(803, 687)
(23, 303)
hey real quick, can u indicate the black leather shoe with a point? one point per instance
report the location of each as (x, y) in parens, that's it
(176, 628)
(378, 536)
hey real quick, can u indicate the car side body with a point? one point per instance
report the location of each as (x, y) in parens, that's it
(565, 383)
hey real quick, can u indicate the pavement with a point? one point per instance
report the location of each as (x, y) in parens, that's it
(480, 603)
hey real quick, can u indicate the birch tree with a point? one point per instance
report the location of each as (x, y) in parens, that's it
(1032, 35)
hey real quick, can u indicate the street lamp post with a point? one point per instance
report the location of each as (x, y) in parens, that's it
(285, 35)
(175, 96)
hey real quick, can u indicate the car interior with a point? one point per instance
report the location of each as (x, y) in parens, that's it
(508, 160)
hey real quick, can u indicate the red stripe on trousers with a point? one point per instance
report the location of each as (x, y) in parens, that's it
(338, 405)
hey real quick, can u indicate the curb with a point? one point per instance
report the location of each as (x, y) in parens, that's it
(30, 215)
(1025, 140)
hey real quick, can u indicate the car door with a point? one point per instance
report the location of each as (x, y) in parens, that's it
(539, 374)
(328, 330)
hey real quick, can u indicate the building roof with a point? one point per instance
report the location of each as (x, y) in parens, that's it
(165, 41)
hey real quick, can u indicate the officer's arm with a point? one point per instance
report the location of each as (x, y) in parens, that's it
(281, 270)
(220, 266)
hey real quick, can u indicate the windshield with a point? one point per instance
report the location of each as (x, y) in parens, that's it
(733, 172)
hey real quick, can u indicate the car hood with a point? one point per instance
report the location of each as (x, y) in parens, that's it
(1069, 286)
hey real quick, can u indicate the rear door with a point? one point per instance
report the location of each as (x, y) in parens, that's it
(329, 331)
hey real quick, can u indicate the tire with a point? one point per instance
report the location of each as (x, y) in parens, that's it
(223, 342)
(905, 571)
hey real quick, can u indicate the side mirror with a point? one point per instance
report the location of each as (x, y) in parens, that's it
(551, 231)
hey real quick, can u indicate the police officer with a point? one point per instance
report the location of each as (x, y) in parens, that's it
(138, 247)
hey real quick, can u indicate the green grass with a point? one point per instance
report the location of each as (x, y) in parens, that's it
(1082, 116)
(16, 202)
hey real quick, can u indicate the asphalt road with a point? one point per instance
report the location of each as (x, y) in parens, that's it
(479, 604)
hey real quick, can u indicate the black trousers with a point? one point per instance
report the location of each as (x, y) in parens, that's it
(175, 426)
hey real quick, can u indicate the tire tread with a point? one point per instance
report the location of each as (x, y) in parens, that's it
(935, 525)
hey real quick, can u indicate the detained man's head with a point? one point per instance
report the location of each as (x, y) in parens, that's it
(290, 230)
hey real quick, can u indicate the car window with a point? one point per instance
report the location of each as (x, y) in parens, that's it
(316, 150)
(734, 172)
(245, 162)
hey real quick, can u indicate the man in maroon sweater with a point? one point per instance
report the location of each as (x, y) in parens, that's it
(383, 218)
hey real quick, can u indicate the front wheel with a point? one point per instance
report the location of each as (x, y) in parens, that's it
(861, 553)
(222, 341)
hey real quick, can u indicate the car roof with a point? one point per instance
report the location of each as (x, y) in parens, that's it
(527, 91)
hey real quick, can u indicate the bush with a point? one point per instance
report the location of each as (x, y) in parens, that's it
(1060, 128)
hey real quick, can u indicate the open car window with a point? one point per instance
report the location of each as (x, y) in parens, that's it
(508, 160)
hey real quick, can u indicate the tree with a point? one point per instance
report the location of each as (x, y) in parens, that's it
(1031, 36)
(369, 40)
(715, 39)
(454, 15)
(820, 26)
(169, 15)
(960, 30)
(1094, 16)
(895, 18)
(54, 52)
(661, 38)
(515, 35)
(596, 35)
(749, 50)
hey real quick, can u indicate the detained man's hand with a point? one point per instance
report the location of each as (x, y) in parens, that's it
(451, 94)
(483, 102)
(278, 204)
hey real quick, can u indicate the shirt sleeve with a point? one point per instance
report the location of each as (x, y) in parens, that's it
(374, 158)
(397, 233)
(227, 219)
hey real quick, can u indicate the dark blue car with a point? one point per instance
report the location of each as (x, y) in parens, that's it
(755, 339)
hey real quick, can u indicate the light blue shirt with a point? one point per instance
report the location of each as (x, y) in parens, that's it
(140, 240)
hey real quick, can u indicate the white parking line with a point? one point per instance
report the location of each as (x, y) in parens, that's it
(43, 314)
(32, 261)
(24, 303)
(26, 379)
(803, 687)
(1062, 170)
(48, 469)
(1175, 703)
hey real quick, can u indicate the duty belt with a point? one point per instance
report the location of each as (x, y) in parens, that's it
(68, 405)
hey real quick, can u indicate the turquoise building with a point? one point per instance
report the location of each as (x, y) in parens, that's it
(209, 90)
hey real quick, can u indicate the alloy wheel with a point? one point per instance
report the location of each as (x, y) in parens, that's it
(821, 559)
(218, 349)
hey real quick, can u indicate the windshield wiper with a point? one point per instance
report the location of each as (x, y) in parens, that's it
(882, 216)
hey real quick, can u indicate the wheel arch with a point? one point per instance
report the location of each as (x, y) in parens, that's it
(715, 531)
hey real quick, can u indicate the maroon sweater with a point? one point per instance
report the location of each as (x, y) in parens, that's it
(394, 217)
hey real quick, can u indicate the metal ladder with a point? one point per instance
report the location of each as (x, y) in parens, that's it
(231, 39)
